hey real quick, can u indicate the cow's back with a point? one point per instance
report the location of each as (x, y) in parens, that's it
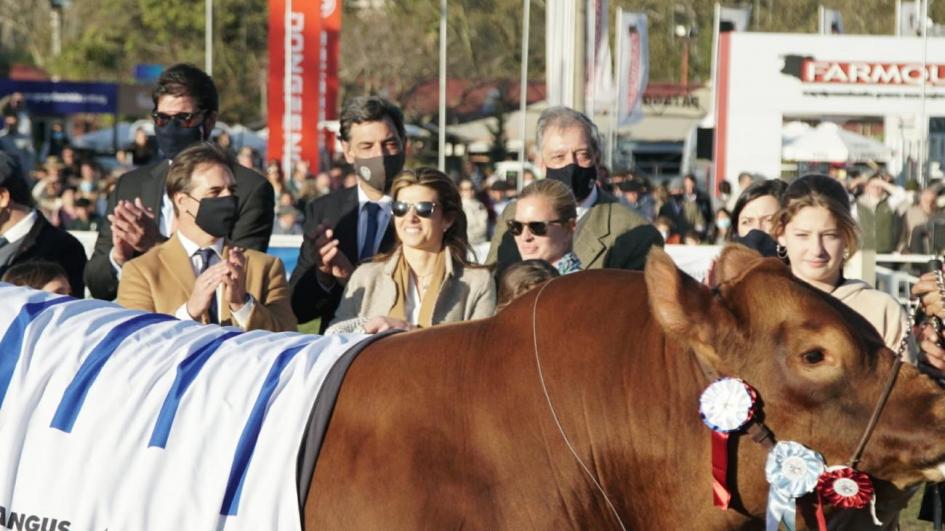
(451, 426)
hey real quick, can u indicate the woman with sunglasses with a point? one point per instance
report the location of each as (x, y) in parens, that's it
(427, 279)
(544, 225)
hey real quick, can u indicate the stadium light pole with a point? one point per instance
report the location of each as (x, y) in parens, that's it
(208, 37)
(523, 93)
(441, 149)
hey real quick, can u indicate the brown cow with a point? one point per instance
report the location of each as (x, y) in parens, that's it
(450, 428)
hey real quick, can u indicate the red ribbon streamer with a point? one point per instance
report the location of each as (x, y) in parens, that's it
(825, 487)
(720, 493)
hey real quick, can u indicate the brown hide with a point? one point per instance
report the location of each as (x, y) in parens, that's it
(450, 428)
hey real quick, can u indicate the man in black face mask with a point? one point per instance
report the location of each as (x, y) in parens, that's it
(608, 233)
(196, 274)
(349, 226)
(140, 213)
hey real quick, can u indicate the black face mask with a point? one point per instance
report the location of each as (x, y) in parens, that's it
(579, 179)
(174, 138)
(379, 172)
(217, 215)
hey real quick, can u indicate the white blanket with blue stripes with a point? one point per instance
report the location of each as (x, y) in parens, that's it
(121, 420)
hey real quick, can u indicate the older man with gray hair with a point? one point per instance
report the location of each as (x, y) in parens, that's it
(608, 233)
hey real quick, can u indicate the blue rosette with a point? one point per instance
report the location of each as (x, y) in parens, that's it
(792, 470)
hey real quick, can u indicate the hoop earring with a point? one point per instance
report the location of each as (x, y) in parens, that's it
(782, 251)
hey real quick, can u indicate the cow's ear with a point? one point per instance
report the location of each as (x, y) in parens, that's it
(735, 261)
(687, 310)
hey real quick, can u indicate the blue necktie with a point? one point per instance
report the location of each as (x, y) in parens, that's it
(205, 255)
(367, 250)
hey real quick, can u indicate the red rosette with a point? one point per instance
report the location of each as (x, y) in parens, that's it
(845, 488)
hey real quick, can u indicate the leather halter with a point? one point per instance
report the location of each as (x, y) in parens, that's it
(763, 435)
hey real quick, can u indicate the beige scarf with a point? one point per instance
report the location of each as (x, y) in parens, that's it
(427, 298)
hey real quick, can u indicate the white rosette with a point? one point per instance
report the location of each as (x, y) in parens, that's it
(792, 470)
(727, 405)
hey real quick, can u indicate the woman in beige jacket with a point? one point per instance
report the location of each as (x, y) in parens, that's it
(816, 233)
(427, 280)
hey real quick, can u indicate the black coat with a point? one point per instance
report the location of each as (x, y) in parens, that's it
(52, 244)
(252, 230)
(338, 211)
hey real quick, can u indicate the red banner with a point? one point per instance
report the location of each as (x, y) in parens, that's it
(331, 54)
(293, 91)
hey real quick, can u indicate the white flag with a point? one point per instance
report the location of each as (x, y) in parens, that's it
(634, 70)
(599, 91)
(559, 52)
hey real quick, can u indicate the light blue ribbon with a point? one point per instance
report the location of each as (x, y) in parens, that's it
(792, 470)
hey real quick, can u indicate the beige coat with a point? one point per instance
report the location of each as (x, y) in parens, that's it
(880, 309)
(467, 292)
(162, 279)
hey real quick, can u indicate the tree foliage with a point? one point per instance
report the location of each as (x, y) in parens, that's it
(390, 50)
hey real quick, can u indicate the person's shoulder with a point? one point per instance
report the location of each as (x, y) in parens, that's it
(475, 274)
(143, 174)
(621, 216)
(336, 199)
(243, 174)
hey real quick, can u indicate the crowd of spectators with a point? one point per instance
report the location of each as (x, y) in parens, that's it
(535, 225)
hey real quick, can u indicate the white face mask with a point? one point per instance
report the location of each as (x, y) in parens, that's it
(664, 234)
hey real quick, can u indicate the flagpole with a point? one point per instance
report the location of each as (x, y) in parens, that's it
(441, 155)
(923, 119)
(614, 120)
(208, 37)
(287, 90)
(523, 92)
(821, 23)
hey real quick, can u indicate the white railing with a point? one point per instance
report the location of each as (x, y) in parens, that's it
(694, 260)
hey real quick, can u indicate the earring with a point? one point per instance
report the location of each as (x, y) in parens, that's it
(782, 251)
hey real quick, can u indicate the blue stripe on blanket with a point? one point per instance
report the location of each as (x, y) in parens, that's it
(74, 396)
(12, 343)
(187, 371)
(247, 442)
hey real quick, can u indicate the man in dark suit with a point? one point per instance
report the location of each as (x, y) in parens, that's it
(140, 215)
(26, 236)
(351, 225)
(608, 233)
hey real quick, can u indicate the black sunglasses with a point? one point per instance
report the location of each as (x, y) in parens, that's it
(424, 209)
(183, 119)
(538, 228)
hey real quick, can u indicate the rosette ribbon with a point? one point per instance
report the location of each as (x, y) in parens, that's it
(846, 488)
(792, 470)
(726, 406)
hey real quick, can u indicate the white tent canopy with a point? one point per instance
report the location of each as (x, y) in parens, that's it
(828, 142)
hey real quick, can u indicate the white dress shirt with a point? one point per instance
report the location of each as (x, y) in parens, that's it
(585, 205)
(241, 316)
(21, 228)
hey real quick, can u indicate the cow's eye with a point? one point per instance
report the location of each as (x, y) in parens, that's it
(813, 357)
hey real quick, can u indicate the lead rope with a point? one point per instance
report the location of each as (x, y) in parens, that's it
(554, 414)
(887, 390)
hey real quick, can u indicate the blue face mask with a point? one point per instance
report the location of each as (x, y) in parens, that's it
(723, 223)
(86, 186)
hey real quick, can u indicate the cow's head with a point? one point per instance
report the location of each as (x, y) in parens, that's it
(819, 366)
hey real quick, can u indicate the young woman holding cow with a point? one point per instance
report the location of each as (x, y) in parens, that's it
(427, 279)
(816, 233)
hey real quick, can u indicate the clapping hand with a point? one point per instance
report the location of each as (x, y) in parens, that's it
(330, 263)
(235, 278)
(134, 229)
